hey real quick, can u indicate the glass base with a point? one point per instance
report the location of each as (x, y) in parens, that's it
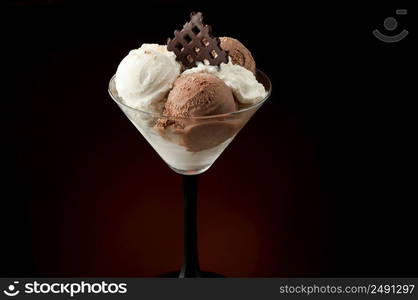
(203, 274)
(190, 172)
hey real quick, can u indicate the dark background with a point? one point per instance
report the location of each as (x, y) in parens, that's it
(317, 184)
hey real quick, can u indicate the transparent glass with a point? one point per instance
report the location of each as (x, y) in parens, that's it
(190, 145)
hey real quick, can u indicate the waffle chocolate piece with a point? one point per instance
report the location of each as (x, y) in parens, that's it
(195, 42)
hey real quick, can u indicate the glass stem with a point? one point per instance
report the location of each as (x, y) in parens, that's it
(191, 258)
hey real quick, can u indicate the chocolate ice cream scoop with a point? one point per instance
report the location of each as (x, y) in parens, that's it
(239, 54)
(198, 95)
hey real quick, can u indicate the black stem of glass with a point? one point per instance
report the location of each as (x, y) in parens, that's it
(191, 258)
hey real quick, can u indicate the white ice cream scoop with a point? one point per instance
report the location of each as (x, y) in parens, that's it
(145, 76)
(244, 85)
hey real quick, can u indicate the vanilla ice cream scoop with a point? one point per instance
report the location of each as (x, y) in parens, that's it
(244, 85)
(145, 76)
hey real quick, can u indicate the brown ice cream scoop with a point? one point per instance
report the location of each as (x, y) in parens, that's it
(198, 95)
(239, 54)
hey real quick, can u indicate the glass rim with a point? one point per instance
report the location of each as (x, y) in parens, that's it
(162, 116)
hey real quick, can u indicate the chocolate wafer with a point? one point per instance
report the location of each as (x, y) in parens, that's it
(195, 42)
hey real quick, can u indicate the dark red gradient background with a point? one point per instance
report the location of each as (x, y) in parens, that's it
(104, 203)
(312, 186)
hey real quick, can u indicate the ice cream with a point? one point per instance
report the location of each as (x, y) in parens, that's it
(238, 53)
(246, 88)
(243, 83)
(146, 75)
(199, 94)
(195, 113)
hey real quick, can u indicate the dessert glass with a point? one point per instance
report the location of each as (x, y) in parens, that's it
(190, 146)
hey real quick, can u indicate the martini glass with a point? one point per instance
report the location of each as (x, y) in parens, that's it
(190, 152)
